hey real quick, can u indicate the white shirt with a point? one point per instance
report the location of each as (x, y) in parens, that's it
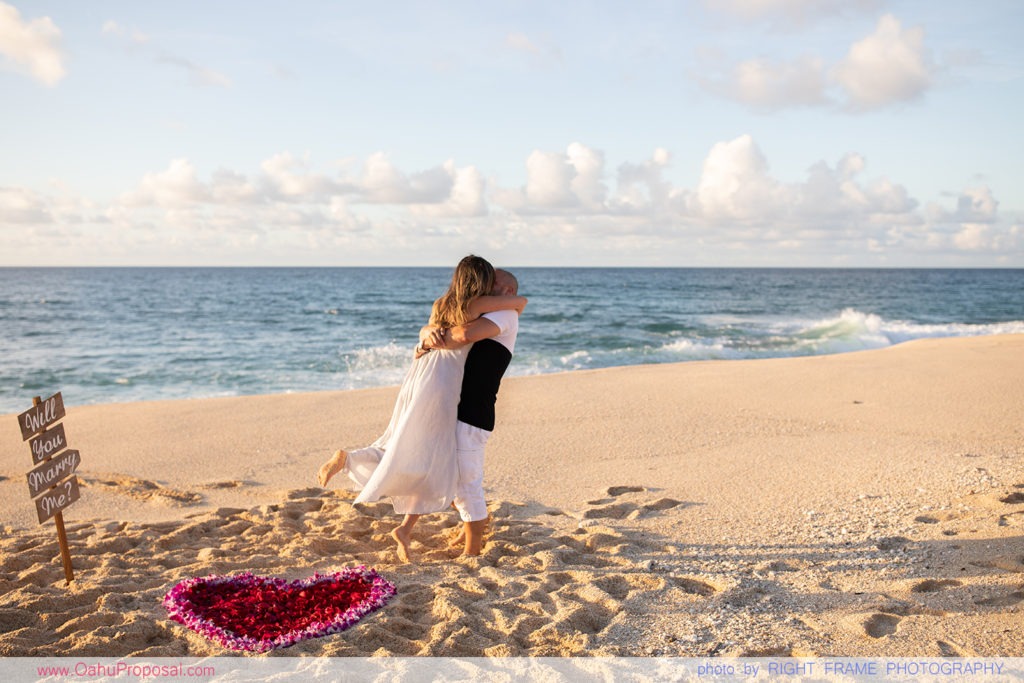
(508, 326)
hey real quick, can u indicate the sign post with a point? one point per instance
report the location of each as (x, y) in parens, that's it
(52, 482)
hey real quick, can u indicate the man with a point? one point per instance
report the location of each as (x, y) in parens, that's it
(493, 336)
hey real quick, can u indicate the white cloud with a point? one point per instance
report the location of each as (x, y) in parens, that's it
(559, 181)
(286, 177)
(973, 237)
(32, 47)
(641, 186)
(383, 183)
(548, 179)
(763, 84)
(972, 226)
(139, 42)
(737, 207)
(21, 206)
(133, 35)
(520, 42)
(986, 237)
(890, 65)
(735, 184)
(587, 184)
(976, 205)
(465, 199)
(229, 187)
(342, 216)
(174, 187)
(887, 67)
(797, 12)
(197, 74)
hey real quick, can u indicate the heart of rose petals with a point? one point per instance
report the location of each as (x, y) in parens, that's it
(259, 613)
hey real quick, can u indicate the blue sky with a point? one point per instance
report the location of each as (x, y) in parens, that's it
(703, 133)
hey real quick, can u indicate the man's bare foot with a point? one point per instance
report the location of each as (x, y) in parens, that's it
(475, 532)
(331, 467)
(403, 537)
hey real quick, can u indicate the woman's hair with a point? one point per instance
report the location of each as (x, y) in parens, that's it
(473, 277)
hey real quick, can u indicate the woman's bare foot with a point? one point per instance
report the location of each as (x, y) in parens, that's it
(331, 467)
(458, 539)
(403, 537)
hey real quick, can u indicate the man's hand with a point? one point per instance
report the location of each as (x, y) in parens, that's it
(437, 339)
(431, 338)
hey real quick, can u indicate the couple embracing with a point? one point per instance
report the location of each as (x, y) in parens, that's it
(431, 456)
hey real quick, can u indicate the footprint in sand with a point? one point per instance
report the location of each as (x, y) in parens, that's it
(663, 504)
(892, 543)
(1012, 519)
(1005, 563)
(225, 484)
(618, 511)
(694, 586)
(881, 625)
(535, 591)
(140, 489)
(1002, 600)
(630, 510)
(616, 491)
(872, 624)
(947, 649)
(934, 585)
(936, 517)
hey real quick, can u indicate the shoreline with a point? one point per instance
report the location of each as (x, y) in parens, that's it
(859, 504)
(144, 442)
(569, 372)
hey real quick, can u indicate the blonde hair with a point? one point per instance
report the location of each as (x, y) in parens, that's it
(473, 277)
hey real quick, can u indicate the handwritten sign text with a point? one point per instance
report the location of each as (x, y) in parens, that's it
(48, 443)
(40, 416)
(52, 471)
(56, 499)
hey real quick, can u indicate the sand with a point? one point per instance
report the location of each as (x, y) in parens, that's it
(861, 504)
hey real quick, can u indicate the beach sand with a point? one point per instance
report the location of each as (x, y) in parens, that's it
(861, 504)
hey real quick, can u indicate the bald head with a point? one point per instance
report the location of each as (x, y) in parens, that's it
(505, 282)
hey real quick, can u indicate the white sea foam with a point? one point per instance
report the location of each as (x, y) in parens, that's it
(698, 350)
(850, 330)
(375, 366)
(576, 360)
(854, 330)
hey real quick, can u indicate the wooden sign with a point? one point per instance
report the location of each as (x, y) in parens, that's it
(48, 443)
(41, 416)
(56, 499)
(52, 471)
(52, 482)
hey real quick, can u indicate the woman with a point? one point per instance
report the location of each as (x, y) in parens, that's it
(413, 462)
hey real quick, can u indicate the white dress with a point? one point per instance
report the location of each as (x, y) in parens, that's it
(413, 462)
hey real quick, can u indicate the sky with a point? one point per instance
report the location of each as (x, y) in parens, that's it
(732, 133)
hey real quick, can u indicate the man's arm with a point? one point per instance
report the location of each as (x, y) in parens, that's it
(439, 338)
(473, 331)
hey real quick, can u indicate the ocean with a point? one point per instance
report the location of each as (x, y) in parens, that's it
(104, 335)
